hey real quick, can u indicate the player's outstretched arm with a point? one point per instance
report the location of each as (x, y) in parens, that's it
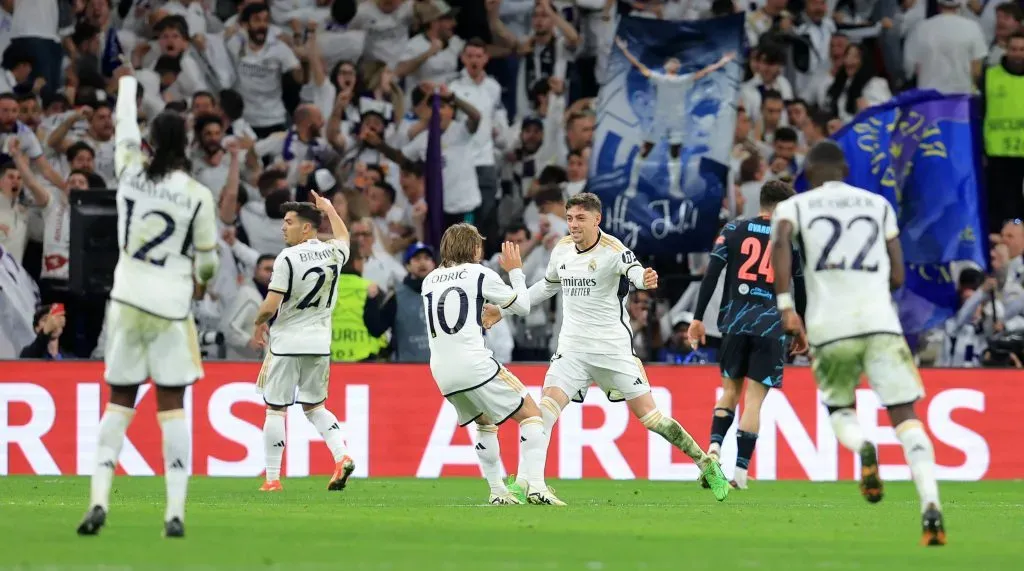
(205, 238)
(127, 137)
(715, 66)
(631, 58)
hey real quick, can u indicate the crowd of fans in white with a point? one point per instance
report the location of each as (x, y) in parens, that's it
(334, 96)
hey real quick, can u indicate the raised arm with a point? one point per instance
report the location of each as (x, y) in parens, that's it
(338, 227)
(715, 66)
(127, 137)
(515, 299)
(39, 194)
(631, 58)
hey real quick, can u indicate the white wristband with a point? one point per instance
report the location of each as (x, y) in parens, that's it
(785, 301)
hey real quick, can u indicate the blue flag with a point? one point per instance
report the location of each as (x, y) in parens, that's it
(433, 177)
(675, 202)
(921, 152)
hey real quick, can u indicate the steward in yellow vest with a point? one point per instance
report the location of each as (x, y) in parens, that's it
(357, 333)
(1002, 93)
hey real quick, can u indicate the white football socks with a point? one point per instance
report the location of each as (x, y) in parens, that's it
(920, 454)
(112, 428)
(533, 449)
(549, 413)
(327, 425)
(273, 442)
(489, 453)
(847, 429)
(177, 447)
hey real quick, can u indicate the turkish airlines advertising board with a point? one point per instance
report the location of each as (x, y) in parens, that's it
(396, 424)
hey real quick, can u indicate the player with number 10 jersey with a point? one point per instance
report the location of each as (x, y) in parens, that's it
(480, 388)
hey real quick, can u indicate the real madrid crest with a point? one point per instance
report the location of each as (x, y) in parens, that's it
(592, 266)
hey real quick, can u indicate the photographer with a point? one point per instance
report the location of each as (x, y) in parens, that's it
(49, 324)
(965, 335)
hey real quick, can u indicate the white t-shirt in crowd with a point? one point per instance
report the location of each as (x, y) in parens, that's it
(441, 67)
(263, 231)
(386, 34)
(35, 19)
(13, 227)
(259, 79)
(486, 98)
(940, 51)
(461, 191)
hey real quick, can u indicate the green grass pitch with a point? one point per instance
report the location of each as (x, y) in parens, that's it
(406, 524)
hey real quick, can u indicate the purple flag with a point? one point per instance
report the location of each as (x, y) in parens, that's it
(433, 177)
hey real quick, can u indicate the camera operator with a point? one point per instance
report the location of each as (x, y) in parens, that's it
(965, 335)
(49, 324)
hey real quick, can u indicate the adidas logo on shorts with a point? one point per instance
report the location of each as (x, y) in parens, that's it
(638, 382)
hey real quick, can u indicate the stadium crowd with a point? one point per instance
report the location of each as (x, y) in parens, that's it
(334, 96)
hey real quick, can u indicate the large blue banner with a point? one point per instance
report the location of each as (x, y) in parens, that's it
(921, 152)
(662, 144)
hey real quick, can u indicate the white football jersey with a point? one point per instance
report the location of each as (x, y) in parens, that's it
(306, 274)
(453, 299)
(594, 285)
(841, 231)
(160, 225)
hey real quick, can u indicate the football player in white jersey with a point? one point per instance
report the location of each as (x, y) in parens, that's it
(849, 242)
(297, 367)
(594, 271)
(671, 89)
(480, 388)
(167, 237)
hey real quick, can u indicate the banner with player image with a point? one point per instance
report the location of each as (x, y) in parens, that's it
(920, 151)
(665, 121)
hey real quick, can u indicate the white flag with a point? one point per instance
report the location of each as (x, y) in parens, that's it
(19, 296)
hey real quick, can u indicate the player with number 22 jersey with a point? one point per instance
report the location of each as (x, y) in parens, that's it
(852, 257)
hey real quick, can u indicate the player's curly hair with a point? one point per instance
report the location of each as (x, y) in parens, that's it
(461, 244)
(774, 192)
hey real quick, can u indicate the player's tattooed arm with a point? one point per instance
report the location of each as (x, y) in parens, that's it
(631, 58)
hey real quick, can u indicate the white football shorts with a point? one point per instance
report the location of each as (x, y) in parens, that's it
(142, 346)
(288, 379)
(884, 358)
(671, 132)
(621, 377)
(497, 399)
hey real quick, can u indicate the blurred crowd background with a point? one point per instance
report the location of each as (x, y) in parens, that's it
(335, 95)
